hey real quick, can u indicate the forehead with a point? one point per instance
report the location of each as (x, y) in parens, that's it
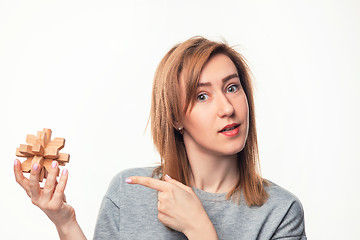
(217, 67)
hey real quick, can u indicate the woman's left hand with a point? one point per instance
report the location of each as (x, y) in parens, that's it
(179, 208)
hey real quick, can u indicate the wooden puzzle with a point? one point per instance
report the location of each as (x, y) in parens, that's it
(42, 150)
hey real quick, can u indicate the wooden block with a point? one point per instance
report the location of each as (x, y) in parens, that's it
(39, 160)
(18, 154)
(63, 157)
(42, 174)
(38, 149)
(26, 150)
(47, 164)
(58, 143)
(48, 167)
(41, 138)
(26, 165)
(48, 133)
(30, 139)
(42, 150)
(46, 173)
(51, 153)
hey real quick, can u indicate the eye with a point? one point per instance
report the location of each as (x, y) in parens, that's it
(232, 88)
(202, 97)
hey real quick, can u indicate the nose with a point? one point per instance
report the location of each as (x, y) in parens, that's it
(225, 107)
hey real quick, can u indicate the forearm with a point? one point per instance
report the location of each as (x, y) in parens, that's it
(71, 230)
(203, 229)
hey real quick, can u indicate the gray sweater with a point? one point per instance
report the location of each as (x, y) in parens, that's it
(130, 212)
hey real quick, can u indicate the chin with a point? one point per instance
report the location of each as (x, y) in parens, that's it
(236, 149)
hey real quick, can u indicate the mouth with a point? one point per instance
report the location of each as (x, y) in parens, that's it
(229, 127)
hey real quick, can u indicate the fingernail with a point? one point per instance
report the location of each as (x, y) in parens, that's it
(35, 166)
(53, 164)
(168, 176)
(128, 180)
(15, 162)
(64, 172)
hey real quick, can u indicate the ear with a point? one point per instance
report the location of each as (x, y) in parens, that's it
(178, 125)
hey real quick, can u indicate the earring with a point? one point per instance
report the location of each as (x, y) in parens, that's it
(181, 130)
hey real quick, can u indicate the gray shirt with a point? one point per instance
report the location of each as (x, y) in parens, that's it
(130, 212)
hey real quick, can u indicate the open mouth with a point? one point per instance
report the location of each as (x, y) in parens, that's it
(227, 129)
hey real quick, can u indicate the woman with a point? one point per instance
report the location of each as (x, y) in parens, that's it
(208, 185)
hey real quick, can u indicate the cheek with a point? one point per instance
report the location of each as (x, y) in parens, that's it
(197, 120)
(242, 107)
(244, 112)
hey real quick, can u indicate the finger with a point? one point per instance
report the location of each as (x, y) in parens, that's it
(165, 219)
(19, 176)
(148, 182)
(164, 199)
(50, 183)
(34, 182)
(177, 183)
(58, 196)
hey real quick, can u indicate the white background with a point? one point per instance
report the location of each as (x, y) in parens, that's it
(85, 69)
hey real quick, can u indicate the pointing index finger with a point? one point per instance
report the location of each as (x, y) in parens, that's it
(148, 182)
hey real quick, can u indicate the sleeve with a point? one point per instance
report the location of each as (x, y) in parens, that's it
(292, 226)
(107, 224)
(108, 220)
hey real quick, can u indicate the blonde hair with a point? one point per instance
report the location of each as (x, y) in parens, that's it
(186, 60)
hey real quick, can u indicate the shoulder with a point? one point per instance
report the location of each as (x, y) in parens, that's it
(144, 171)
(283, 199)
(118, 188)
(279, 194)
(287, 208)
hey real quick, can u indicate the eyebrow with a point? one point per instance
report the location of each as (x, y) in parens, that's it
(224, 80)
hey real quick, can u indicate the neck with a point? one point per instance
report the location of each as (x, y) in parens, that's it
(216, 174)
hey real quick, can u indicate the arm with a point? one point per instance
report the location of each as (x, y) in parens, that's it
(179, 208)
(51, 199)
(108, 220)
(202, 229)
(292, 225)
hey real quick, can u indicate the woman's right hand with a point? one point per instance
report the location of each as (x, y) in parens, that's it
(50, 199)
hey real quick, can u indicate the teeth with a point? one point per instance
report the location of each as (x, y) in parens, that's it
(229, 129)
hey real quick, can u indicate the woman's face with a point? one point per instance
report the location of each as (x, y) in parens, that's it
(218, 123)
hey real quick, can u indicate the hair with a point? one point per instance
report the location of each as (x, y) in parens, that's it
(186, 61)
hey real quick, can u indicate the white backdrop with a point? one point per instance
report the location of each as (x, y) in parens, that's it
(85, 69)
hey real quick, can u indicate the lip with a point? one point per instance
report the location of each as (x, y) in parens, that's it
(233, 132)
(229, 126)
